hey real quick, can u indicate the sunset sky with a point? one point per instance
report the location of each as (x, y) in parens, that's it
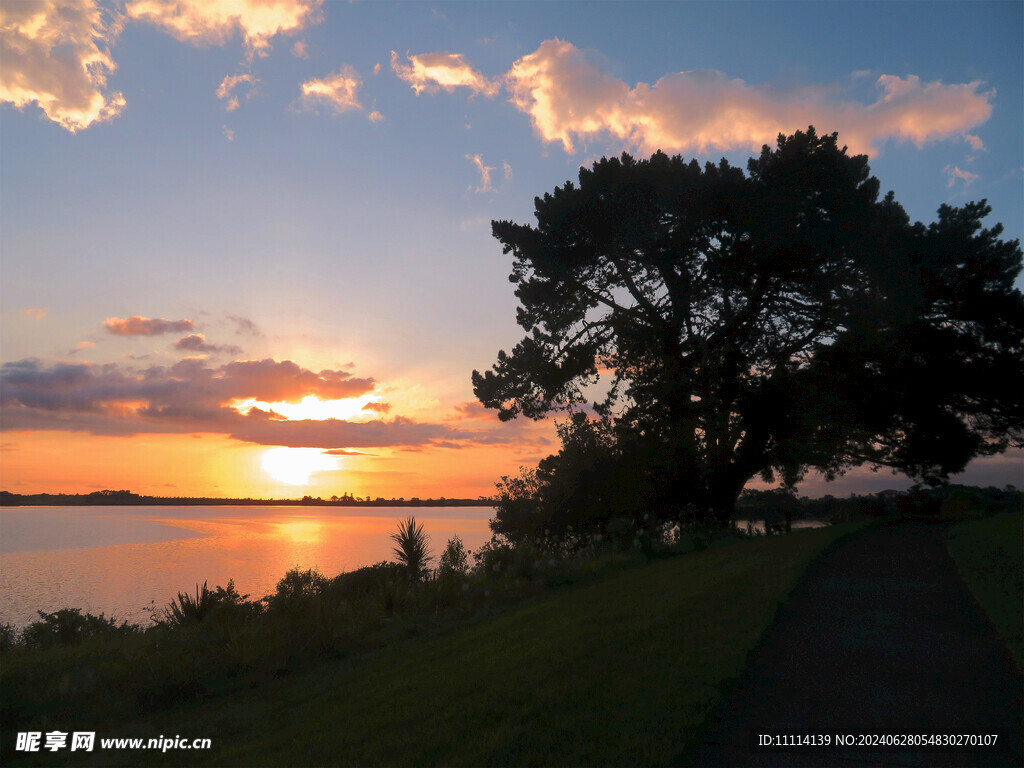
(245, 245)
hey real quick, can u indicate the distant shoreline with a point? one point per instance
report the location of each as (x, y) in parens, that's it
(129, 499)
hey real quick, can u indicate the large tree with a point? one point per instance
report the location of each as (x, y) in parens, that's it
(765, 323)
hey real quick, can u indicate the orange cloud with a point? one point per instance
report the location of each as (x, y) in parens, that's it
(196, 342)
(569, 97)
(213, 22)
(485, 173)
(80, 346)
(177, 397)
(955, 174)
(272, 381)
(921, 113)
(55, 54)
(434, 72)
(191, 396)
(36, 313)
(244, 325)
(976, 143)
(338, 91)
(136, 325)
(474, 409)
(229, 83)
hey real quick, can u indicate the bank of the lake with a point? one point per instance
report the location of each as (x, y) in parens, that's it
(124, 561)
(623, 666)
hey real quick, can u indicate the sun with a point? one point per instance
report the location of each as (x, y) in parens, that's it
(294, 466)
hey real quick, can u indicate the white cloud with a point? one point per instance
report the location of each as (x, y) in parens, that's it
(56, 54)
(434, 72)
(213, 22)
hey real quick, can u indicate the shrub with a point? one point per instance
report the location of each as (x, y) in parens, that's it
(298, 584)
(69, 626)
(8, 636)
(454, 561)
(186, 609)
(364, 581)
(412, 548)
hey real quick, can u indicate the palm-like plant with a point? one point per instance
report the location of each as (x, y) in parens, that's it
(412, 548)
(188, 610)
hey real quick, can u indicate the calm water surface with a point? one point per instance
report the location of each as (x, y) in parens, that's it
(121, 560)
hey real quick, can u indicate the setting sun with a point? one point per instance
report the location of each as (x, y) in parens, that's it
(295, 466)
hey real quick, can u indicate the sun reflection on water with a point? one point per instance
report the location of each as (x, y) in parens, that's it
(254, 546)
(300, 531)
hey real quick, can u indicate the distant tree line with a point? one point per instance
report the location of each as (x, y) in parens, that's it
(109, 498)
(781, 506)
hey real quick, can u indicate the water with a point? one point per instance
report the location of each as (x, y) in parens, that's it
(757, 526)
(122, 560)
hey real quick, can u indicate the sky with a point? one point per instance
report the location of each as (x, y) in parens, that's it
(245, 245)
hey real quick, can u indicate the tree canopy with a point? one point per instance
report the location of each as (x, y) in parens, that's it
(764, 323)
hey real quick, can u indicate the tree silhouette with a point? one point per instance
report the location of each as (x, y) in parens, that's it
(412, 548)
(765, 323)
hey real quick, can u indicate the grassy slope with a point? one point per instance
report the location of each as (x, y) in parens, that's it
(624, 670)
(990, 556)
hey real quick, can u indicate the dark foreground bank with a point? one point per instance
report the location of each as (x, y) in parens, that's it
(880, 638)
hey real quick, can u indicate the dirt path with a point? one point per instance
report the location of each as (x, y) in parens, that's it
(880, 637)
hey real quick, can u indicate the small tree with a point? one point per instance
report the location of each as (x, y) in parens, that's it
(519, 511)
(573, 494)
(412, 548)
(454, 563)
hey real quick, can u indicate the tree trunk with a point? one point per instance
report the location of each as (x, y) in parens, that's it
(724, 490)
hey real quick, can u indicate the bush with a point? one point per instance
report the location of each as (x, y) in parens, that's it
(186, 609)
(412, 548)
(365, 581)
(297, 584)
(454, 561)
(8, 636)
(69, 627)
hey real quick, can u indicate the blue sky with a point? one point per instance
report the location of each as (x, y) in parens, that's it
(350, 229)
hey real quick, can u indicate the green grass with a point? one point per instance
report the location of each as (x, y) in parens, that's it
(990, 557)
(625, 669)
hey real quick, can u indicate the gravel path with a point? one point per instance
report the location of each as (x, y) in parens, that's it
(880, 637)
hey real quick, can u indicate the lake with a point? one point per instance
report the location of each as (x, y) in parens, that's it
(122, 560)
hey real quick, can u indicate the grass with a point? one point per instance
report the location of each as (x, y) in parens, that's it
(989, 556)
(624, 669)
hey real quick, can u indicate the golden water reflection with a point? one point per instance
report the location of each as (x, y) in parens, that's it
(254, 546)
(301, 531)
